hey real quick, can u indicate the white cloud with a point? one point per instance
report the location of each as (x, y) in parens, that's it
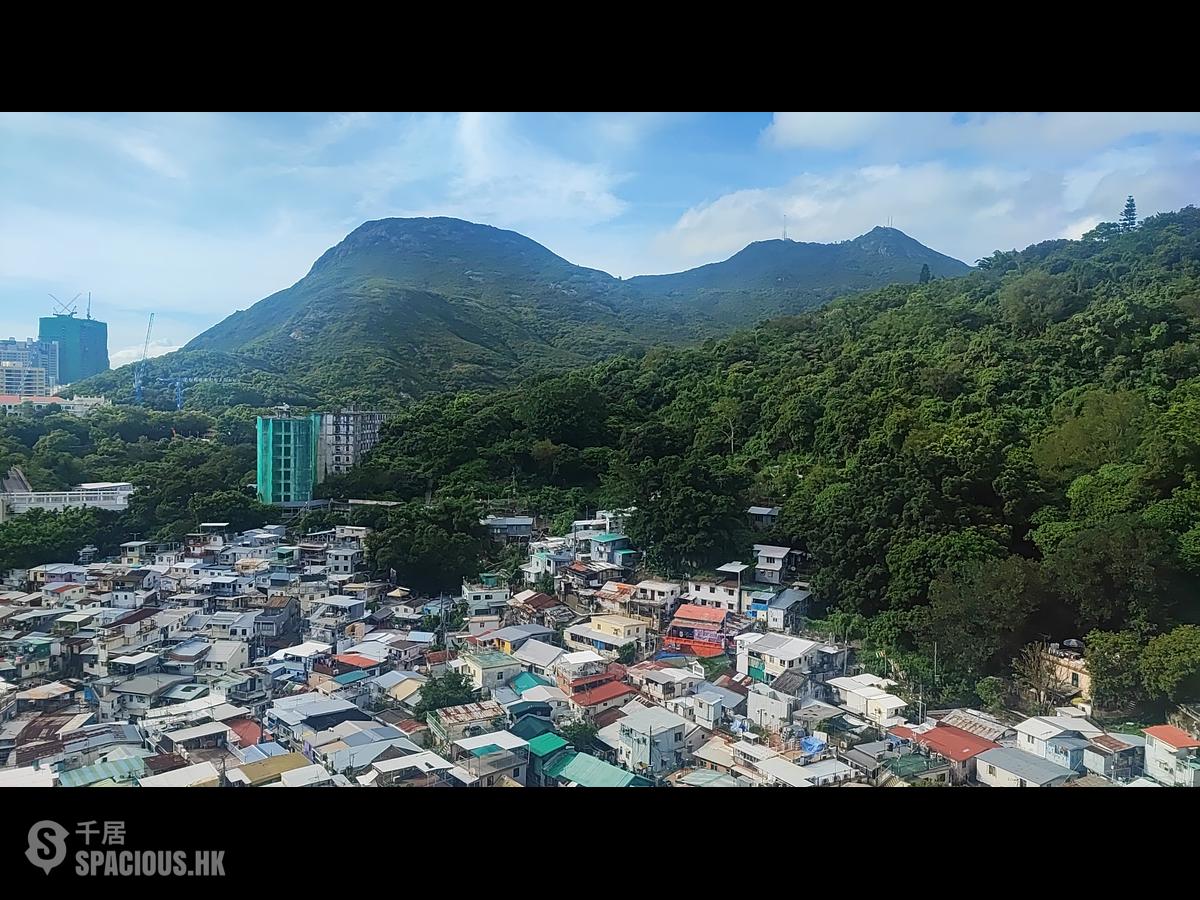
(504, 179)
(161, 267)
(963, 211)
(129, 355)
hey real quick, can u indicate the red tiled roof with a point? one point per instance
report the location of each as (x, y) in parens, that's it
(609, 691)
(356, 660)
(954, 743)
(409, 726)
(1176, 737)
(248, 731)
(694, 613)
(434, 657)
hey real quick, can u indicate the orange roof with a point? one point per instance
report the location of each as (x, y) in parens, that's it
(950, 742)
(1176, 737)
(356, 660)
(605, 692)
(249, 731)
(695, 613)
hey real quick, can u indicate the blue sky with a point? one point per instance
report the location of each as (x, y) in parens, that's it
(197, 215)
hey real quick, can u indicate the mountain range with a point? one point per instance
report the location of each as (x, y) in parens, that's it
(405, 307)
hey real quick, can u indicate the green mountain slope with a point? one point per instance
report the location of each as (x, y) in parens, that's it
(770, 278)
(403, 307)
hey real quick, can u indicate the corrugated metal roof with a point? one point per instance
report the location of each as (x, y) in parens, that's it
(114, 769)
(545, 744)
(588, 771)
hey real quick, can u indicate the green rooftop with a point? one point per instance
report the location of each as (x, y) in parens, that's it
(545, 744)
(490, 659)
(106, 771)
(529, 727)
(527, 680)
(588, 771)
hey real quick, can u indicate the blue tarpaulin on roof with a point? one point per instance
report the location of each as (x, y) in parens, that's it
(811, 745)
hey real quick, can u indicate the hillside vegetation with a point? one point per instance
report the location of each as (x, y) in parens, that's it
(405, 307)
(971, 463)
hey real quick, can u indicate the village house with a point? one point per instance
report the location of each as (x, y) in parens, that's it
(652, 741)
(959, 748)
(489, 595)
(1059, 739)
(766, 656)
(537, 656)
(606, 634)
(1119, 757)
(487, 669)
(449, 724)
(491, 756)
(1012, 767)
(864, 695)
(771, 564)
(763, 517)
(1172, 756)
(507, 529)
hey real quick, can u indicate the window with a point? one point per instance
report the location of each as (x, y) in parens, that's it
(1074, 679)
(991, 770)
(1022, 783)
(517, 772)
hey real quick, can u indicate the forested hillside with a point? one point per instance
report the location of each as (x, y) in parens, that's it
(188, 468)
(973, 462)
(405, 307)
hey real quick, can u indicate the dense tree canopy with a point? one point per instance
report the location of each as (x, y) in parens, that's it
(1012, 454)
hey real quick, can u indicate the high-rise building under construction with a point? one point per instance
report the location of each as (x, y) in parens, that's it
(82, 345)
(295, 454)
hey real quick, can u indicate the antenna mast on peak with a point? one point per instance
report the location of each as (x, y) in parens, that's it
(785, 226)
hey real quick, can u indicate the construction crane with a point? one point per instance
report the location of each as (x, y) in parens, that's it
(66, 309)
(140, 372)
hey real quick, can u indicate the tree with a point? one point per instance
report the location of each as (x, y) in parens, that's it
(451, 688)
(1129, 215)
(581, 734)
(628, 653)
(1114, 665)
(1115, 573)
(1037, 674)
(545, 584)
(1171, 664)
(1103, 231)
(978, 614)
(992, 692)
(925, 276)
